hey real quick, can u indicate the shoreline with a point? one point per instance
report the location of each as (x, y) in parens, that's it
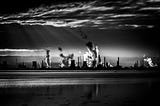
(13, 74)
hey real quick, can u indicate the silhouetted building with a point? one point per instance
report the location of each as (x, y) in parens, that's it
(99, 59)
(4, 65)
(94, 64)
(107, 66)
(42, 64)
(99, 62)
(136, 64)
(142, 64)
(85, 64)
(118, 64)
(72, 64)
(22, 66)
(34, 64)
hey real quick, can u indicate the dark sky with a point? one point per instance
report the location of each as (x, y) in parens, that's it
(119, 27)
(16, 6)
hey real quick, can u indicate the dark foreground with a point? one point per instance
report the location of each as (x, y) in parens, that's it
(88, 89)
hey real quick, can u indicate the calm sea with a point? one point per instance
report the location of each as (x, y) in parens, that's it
(80, 92)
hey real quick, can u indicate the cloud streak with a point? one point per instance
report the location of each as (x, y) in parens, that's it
(96, 14)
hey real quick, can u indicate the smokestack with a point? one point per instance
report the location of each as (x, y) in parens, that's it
(72, 64)
(34, 64)
(136, 64)
(78, 62)
(118, 62)
(48, 61)
(99, 59)
(84, 64)
(42, 64)
(104, 62)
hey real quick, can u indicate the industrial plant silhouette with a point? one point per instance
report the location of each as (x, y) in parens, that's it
(92, 60)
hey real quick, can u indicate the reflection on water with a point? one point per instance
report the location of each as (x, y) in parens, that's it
(126, 92)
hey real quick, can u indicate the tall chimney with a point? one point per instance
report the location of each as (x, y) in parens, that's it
(99, 59)
(78, 62)
(104, 62)
(118, 62)
(48, 58)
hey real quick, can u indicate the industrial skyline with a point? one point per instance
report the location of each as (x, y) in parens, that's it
(90, 60)
(120, 28)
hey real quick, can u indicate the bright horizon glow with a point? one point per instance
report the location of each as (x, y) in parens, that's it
(111, 52)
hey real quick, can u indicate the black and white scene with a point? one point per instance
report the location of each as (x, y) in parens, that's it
(79, 53)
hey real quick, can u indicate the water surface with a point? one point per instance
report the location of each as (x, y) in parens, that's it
(80, 92)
